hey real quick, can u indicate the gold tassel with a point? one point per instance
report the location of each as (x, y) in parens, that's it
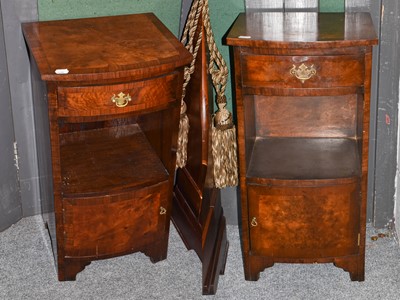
(181, 152)
(224, 149)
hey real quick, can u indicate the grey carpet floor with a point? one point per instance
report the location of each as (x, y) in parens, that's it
(27, 272)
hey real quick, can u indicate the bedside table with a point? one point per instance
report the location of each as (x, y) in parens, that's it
(107, 97)
(303, 103)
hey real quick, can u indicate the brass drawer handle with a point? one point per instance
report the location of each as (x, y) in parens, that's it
(163, 211)
(121, 100)
(254, 222)
(303, 72)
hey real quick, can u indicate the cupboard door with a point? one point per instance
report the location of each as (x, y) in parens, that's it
(304, 222)
(110, 225)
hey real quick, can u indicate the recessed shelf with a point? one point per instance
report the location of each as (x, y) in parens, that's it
(304, 158)
(108, 160)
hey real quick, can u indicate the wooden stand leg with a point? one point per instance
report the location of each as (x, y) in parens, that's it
(71, 269)
(213, 253)
(157, 251)
(354, 265)
(254, 266)
(214, 257)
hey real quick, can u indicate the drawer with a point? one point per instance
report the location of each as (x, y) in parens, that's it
(302, 71)
(110, 225)
(118, 98)
(304, 222)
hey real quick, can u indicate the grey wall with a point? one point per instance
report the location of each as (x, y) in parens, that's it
(387, 114)
(397, 202)
(10, 201)
(384, 110)
(184, 12)
(19, 195)
(13, 13)
(279, 5)
(375, 9)
(390, 99)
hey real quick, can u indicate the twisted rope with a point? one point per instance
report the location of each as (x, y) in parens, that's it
(223, 130)
(217, 67)
(187, 39)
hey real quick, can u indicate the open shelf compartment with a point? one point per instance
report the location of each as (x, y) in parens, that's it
(304, 158)
(108, 160)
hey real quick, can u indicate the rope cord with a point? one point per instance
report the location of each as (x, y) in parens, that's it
(217, 66)
(188, 38)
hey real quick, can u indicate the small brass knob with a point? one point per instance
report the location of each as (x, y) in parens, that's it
(254, 222)
(121, 100)
(163, 211)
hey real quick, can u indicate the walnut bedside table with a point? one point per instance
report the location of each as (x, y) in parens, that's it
(107, 97)
(303, 104)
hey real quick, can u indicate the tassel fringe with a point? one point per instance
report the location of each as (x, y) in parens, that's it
(225, 157)
(181, 153)
(224, 147)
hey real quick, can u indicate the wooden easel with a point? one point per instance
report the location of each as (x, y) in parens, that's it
(197, 212)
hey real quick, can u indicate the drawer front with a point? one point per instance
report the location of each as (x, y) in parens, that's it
(119, 98)
(112, 225)
(302, 71)
(304, 222)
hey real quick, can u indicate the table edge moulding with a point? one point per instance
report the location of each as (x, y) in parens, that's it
(302, 83)
(106, 94)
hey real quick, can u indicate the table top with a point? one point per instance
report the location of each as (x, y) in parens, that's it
(103, 47)
(302, 29)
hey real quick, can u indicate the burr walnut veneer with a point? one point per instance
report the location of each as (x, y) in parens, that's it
(107, 101)
(303, 104)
